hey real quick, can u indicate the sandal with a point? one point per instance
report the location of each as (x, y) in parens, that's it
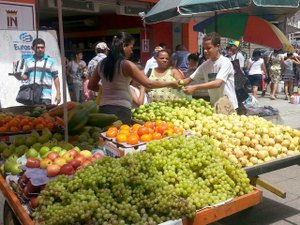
(272, 98)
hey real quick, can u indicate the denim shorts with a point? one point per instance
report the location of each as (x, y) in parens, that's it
(255, 79)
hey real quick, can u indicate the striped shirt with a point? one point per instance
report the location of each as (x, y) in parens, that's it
(51, 72)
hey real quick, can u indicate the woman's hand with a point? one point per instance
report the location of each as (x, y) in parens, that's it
(174, 84)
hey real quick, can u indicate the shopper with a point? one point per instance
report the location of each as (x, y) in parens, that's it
(180, 59)
(255, 67)
(74, 76)
(116, 73)
(217, 71)
(275, 72)
(288, 74)
(101, 51)
(41, 64)
(234, 53)
(151, 63)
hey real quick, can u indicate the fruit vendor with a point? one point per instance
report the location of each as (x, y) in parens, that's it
(116, 73)
(217, 72)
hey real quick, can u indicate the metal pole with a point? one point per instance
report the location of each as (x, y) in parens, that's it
(62, 54)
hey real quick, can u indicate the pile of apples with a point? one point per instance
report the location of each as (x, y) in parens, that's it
(249, 140)
(59, 161)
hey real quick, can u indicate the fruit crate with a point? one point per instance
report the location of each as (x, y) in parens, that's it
(203, 216)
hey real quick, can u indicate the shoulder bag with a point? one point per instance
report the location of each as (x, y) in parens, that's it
(30, 94)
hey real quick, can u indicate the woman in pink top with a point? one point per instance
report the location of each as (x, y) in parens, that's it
(116, 73)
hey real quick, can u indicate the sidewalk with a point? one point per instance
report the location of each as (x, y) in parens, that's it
(274, 210)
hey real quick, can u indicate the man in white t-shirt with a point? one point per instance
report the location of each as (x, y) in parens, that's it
(217, 72)
(151, 63)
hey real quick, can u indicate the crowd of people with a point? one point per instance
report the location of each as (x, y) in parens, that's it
(119, 85)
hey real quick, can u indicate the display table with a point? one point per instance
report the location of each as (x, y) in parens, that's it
(204, 216)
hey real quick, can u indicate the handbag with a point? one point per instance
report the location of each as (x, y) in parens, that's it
(31, 94)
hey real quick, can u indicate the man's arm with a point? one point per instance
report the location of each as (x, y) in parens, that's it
(205, 86)
(57, 87)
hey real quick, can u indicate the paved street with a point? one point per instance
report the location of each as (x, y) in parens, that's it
(273, 210)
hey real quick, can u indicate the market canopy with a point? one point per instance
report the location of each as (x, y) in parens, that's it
(183, 10)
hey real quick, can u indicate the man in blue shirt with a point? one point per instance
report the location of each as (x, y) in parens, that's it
(40, 65)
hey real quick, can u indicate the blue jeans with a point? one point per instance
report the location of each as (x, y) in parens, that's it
(74, 89)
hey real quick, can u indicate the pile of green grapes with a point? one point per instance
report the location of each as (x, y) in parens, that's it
(181, 110)
(172, 179)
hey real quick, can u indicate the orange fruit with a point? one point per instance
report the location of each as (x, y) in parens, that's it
(26, 127)
(143, 130)
(159, 123)
(156, 136)
(161, 129)
(124, 131)
(111, 132)
(124, 127)
(132, 139)
(146, 137)
(13, 129)
(149, 124)
(136, 126)
(121, 138)
(170, 125)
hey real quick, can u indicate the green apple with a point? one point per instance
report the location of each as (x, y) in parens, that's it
(44, 150)
(15, 168)
(56, 149)
(31, 153)
(63, 151)
(77, 148)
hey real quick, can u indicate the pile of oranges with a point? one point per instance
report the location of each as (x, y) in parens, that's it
(21, 123)
(136, 133)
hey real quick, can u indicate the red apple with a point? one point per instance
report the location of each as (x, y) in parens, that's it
(53, 170)
(52, 155)
(33, 163)
(80, 158)
(75, 163)
(98, 155)
(67, 169)
(34, 202)
(86, 162)
(73, 152)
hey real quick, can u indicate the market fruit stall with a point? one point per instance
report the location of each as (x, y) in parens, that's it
(185, 162)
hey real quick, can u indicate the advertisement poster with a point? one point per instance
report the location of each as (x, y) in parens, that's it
(17, 16)
(14, 46)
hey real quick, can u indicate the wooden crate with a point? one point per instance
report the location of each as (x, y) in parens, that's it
(213, 214)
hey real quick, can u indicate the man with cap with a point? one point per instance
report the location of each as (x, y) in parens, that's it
(101, 50)
(235, 54)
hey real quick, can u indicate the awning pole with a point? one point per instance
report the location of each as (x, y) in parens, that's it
(63, 66)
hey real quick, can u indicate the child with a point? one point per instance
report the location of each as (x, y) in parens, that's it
(139, 96)
(87, 93)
